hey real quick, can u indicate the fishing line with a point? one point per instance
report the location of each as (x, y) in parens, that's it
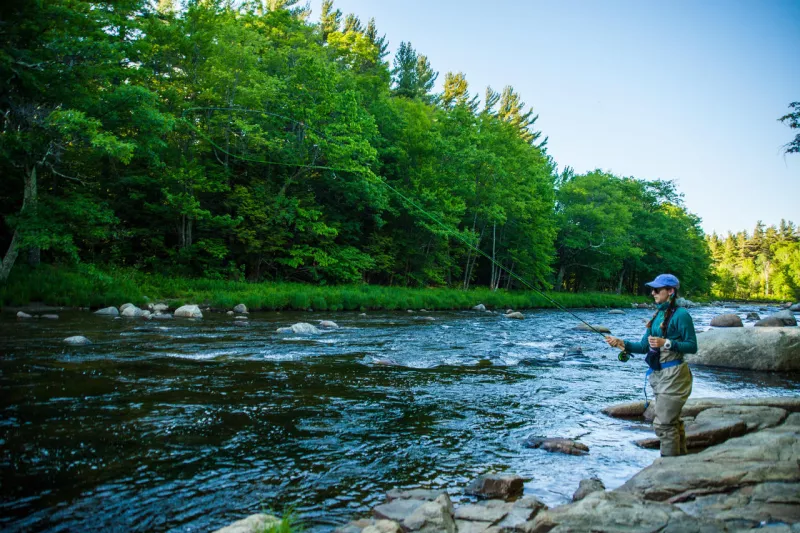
(448, 229)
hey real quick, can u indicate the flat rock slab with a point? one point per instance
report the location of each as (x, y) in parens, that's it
(427, 495)
(754, 416)
(489, 511)
(705, 433)
(252, 524)
(618, 512)
(751, 504)
(697, 405)
(397, 510)
(559, 445)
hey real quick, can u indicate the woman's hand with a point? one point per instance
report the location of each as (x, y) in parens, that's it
(615, 342)
(656, 342)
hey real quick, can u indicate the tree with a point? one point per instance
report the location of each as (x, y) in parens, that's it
(792, 119)
(512, 111)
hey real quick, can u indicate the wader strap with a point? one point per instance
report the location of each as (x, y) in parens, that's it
(668, 364)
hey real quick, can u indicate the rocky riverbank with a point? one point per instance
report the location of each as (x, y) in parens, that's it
(743, 473)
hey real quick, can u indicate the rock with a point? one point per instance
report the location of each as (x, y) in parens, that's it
(77, 340)
(49, 317)
(131, 311)
(356, 526)
(616, 312)
(241, 323)
(240, 309)
(767, 456)
(704, 433)
(423, 310)
(490, 511)
(479, 307)
(397, 510)
(683, 302)
(383, 526)
(496, 486)
(573, 351)
(770, 349)
(625, 410)
(752, 316)
(301, 328)
(252, 524)
(363, 314)
(107, 311)
(618, 512)
(20, 314)
(241, 318)
(160, 308)
(584, 327)
(777, 320)
(795, 308)
(328, 324)
(230, 313)
(414, 494)
(188, 311)
(424, 318)
(432, 517)
(586, 487)
(522, 510)
(556, 444)
(147, 315)
(123, 307)
(643, 306)
(162, 316)
(728, 320)
(755, 417)
(515, 314)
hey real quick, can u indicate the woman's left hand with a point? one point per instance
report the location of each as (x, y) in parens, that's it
(656, 342)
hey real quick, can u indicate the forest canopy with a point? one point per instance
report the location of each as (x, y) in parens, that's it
(257, 142)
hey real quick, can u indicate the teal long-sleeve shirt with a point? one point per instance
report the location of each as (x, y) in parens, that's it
(680, 332)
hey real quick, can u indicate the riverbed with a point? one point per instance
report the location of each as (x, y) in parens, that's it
(187, 425)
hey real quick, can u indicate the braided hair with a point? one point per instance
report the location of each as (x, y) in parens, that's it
(673, 305)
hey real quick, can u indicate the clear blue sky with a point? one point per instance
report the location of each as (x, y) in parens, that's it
(681, 90)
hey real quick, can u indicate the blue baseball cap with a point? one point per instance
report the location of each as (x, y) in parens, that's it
(664, 280)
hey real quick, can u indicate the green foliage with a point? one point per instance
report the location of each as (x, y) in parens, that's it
(792, 120)
(762, 264)
(237, 140)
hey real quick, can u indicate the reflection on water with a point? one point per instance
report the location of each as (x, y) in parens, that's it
(190, 424)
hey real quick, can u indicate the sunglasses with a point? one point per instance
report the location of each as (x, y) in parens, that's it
(658, 290)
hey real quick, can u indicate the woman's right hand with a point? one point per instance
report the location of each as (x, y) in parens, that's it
(615, 342)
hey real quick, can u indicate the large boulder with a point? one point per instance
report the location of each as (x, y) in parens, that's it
(728, 320)
(131, 311)
(777, 320)
(107, 311)
(188, 311)
(768, 349)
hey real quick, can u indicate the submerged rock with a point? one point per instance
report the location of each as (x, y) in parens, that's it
(515, 314)
(728, 320)
(594, 327)
(771, 349)
(301, 328)
(107, 311)
(188, 311)
(557, 444)
(77, 340)
(777, 320)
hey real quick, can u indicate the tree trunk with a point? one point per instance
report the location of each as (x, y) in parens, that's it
(29, 196)
(560, 278)
(621, 277)
(494, 253)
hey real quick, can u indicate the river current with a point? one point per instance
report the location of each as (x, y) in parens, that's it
(188, 425)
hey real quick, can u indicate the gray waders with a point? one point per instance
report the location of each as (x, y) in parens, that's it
(672, 387)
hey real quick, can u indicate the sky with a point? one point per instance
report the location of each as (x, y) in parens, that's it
(678, 90)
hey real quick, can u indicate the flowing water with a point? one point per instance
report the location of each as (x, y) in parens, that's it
(187, 425)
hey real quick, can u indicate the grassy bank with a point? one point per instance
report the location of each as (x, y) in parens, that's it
(87, 286)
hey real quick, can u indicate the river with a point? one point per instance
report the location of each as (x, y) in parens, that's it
(184, 425)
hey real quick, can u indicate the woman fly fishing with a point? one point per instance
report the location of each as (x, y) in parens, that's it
(669, 336)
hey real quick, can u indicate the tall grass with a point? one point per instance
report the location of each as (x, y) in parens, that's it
(88, 286)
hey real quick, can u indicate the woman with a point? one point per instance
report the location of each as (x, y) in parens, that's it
(670, 334)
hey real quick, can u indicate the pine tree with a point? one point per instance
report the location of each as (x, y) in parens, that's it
(380, 42)
(512, 111)
(404, 73)
(456, 92)
(426, 77)
(329, 19)
(352, 23)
